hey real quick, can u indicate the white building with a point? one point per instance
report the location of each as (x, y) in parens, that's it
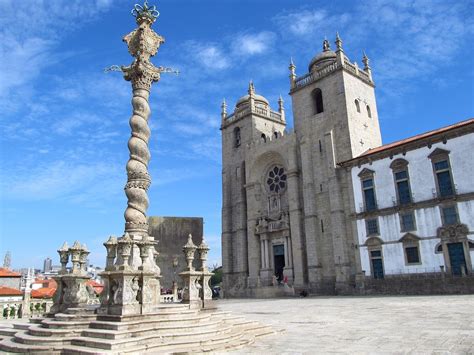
(414, 204)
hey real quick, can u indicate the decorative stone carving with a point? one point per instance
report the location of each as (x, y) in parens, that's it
(453, 232)
(189, 249)
(111, 247)
(72, 291)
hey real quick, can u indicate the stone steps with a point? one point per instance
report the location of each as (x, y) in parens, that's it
(155, 328)
(23, 338)
(165, 338)
(173, 329)
(8, 345)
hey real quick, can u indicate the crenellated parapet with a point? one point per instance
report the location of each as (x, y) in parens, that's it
(328, 62)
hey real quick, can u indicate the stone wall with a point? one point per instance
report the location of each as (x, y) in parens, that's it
(171, 233)
(418, 284)
(12, 282)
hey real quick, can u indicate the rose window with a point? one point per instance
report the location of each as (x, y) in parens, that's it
(276, 179)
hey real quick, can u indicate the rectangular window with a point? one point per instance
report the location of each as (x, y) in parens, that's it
(372, 226)
(450, 215)
(412, 254)
(443, 176)
(407, 221)
(369, 194)
(403, 187)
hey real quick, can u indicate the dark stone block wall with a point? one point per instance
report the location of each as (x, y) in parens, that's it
(171, 233)
(418, 284)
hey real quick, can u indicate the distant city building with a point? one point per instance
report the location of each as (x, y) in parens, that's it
(9, 278)
(47, 265)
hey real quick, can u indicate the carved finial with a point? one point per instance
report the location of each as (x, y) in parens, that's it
(224, 106)
(251, 89)
(338, 42)
(145, 13)
(292, 64)
(366, 61)
(281, 108)
(76, 245)
(64, 247)
(326, 45)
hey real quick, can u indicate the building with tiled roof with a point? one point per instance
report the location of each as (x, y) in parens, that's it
(9, 278)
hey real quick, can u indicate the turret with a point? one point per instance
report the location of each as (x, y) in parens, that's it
(292, 69)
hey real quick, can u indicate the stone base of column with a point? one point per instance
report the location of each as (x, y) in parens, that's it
(128, 292)
(288, 273)
(315, 274)
(71, 292)
(266, 276)
(192, 288)
(206, 292)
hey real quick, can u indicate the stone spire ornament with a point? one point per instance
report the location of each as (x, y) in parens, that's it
(292, 69)
(338, 43)
(223, 110)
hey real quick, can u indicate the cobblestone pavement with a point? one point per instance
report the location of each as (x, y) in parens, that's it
(361, 325)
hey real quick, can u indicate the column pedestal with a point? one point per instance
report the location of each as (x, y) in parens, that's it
(191, 288)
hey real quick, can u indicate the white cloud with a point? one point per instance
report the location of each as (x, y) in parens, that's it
(251, 44)
(208, 55)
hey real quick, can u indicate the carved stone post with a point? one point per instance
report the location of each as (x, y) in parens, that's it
(111, 247)
(190, 276)
(132, 284)
(206, 292)
(71, 291)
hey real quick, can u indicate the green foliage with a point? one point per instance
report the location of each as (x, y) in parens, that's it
(216, 279)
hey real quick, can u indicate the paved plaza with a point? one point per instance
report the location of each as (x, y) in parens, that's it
(376, 325)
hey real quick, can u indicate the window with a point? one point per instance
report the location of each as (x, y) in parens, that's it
(276, 179)
(443, 175)
(402, 182)
(369, 194)
(403, 187)
(407, 221)
(237, 137)
(318, 100)
(372, 226)
(412, 255)
(449, 215)
(411, 247)
(442, 170)
(357, 105)
(369, 113)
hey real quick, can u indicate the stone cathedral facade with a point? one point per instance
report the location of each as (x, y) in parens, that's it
(285, 201)
(289, 213)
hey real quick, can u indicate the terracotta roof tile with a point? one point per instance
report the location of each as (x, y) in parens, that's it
(412, 139)
(45, 292)
(4, 272)
(8, 291)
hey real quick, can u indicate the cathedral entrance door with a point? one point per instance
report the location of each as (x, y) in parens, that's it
(456, 258)
(279, 261)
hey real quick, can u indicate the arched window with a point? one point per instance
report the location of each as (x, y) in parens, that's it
(369, 113)
(237, 140)
(264, 137)
(317, 95)
(357, 105)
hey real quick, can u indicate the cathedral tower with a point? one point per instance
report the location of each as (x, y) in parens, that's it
(253, 121)
(335, 118)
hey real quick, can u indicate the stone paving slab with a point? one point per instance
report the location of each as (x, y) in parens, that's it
(362, 325)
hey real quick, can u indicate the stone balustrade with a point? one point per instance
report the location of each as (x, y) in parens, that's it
(16, 309)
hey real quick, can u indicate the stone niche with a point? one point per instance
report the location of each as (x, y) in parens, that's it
(171, 233)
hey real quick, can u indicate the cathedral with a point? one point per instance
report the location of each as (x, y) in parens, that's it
(292, 211)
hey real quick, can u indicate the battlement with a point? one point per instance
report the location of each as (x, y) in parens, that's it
(253, 110)
(346, 65)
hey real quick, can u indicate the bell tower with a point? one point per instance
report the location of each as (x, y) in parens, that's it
(252, 122)
(335, 118)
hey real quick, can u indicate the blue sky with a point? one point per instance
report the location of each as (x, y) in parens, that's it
(64, 122)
